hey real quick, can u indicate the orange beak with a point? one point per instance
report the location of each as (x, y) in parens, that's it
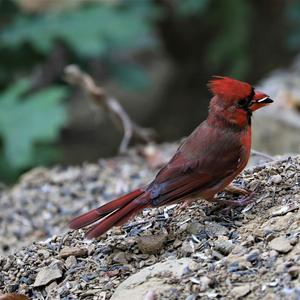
(260, 100)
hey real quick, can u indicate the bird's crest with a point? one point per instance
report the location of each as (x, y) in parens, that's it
(228, 88)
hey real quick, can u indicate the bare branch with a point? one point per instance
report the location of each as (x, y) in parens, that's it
(75, 76)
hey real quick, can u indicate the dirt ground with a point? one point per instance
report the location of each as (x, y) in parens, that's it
(251, 252)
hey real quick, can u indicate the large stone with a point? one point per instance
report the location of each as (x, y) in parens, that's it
(275, 127)
(280, 244)
(47, 274)
(239, 292)
(137, 286)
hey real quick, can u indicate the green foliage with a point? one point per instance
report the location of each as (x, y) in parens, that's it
(130, 76)
(90, 31)
(94, 31)
(191, 7)
(25, 121)
(293, 16)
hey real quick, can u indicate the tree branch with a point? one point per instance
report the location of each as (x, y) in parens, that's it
(97, 94)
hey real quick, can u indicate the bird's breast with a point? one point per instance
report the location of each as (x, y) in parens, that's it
(245, 140)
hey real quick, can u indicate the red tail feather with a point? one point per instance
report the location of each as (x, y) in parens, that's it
(118, 217)
(117, 205)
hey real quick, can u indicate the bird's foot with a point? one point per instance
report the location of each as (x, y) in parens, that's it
(243, 201)
(231, 204)
(237, 190)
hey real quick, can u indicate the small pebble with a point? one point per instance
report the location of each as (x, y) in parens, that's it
(253, 255)
(70, 261)
(276, 178)
(119, 257)
(194, 227)
(294, 271)
(204, 284)
(73, 251)
(214, 229)
(224, 246)
(151, 244)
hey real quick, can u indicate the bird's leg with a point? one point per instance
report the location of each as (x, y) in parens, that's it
(243, 201)
(237, 190)
(247, 197)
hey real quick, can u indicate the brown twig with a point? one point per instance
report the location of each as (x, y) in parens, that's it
(75, 76)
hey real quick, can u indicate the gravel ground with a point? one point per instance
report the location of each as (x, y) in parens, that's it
(41, 204)
(250, 253)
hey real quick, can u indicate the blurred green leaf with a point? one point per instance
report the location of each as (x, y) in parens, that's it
(26, 120)
(131, 76)
(88, 31)
(191, 7)
(293, 17)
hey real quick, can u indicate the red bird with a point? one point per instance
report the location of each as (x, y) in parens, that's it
(205, 163)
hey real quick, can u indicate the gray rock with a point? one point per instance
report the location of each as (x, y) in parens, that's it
(240, 291)
(281, 244)
(253, 255)
(276, 178)
(47, 274)
(194, 227)
(119, 257)
(187, 247)
(282, 118)
(137, 286)
(214, 229)
(191, 297)
(44, 253)
(223, 246)
(204, 284)
(70, 261)
(50, 287)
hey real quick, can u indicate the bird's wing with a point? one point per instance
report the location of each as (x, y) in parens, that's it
(196, 167)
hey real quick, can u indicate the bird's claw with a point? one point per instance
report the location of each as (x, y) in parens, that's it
(243, 201)
(231, 204)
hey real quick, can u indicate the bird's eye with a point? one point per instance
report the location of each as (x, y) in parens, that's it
(243, 102)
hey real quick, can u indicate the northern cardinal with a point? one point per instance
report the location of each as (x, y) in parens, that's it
(204, 164)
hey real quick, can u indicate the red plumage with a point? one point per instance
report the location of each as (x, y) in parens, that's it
(207, 161)
(228, 88)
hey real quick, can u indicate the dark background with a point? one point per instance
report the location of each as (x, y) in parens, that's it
(154, 56)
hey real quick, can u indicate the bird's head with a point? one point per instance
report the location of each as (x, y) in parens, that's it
(235, 100)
